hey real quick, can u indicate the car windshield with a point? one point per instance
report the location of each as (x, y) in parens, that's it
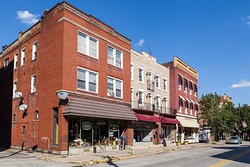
(233, 137)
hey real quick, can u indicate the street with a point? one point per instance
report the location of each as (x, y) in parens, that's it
(216, 156)
(225, 155)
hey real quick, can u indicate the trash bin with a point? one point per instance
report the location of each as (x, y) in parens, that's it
(94, 149)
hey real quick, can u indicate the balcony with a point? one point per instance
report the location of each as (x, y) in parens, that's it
(152, 107)
(150, 85)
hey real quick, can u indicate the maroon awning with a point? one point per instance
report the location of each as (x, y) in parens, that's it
(147, 118)
(169, 120)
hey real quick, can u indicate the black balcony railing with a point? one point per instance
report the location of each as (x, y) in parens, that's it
(152, 107)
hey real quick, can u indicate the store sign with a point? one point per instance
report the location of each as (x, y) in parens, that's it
(113, 128)
(86, 126)
(101, 123)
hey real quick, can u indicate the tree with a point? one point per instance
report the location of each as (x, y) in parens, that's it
(244, 115)
(211, 111)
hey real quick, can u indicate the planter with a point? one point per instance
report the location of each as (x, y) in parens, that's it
(185, 142)
(178, 143)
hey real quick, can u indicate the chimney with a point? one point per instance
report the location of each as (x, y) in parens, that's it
(20, 34)
(45, 12)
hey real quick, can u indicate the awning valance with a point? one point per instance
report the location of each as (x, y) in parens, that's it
(169, 120)
(147, 118)
(191, 123)
(98, 108)
(182, 98)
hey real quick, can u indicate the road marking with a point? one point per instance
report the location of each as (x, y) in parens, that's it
(218, 164)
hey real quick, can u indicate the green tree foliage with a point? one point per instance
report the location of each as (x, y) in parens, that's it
(244, 115)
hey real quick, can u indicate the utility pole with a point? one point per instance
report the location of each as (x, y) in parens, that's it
(238, 122)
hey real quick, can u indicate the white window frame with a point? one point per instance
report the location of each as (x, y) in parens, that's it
(113, 56)
(132, 97)
(141, 92)
(34, 50)
(36, 115)
(132, 71)
(87, 49)
(16, 61)
(23, 52)
(180, 104)
(157, 101)
(157, 81)
(180, 82)
(6, 63)
(87, 80)
(33, 83)
(191, 90)
(185, 85)
(114, 86)
(165, 84)
(186, 107)
(195, 89)
(14, 89)
(142, 74)
(191, 106)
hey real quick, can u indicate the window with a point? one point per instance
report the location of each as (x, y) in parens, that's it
(157, 102)
(196, 110)
(141, 97)
(6, 63)
(114, 87)
(33, 83)
(185, 85)
(132, 71)
(132, 97)
(16, 61)
(87, 45)
(114, 57)
(34, 51)
(180, 104)
(14, 117)
(157, 81)
(23, 129)
(191, 109)
(36, 115)
(165, 84)
(87, 80)
(179, 82)
(165, 105)
(186, 107)
(141, 75)
(195, 90)
(190, 87)
(55, 126)
(23, 57)
(14, 89)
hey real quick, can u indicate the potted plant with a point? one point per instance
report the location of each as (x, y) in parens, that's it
(178, 142)
(185, 142)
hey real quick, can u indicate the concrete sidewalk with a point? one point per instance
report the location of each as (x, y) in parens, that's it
(111, 156)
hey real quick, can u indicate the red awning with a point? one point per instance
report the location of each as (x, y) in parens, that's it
(148, 118)
(169, 120)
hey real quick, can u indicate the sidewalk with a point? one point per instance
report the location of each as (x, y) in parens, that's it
(108, 156)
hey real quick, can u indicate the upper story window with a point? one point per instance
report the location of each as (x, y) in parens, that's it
(141, 97)
(186, 107)
(141, 74)
(180, 104)
(190, 87)
(14, 89)
(34, 51)
(179, 82)
(191, 108)
(157, 81)
(36, 115)
(23, 57)
(114, 87)
(158, 102)
(185, 85)
(87, 80)
(6, 63)
(132, 71)
(114, 57)
(165, 84)
(195, 90)
(33, 83)
(87, 45)
(16, 61)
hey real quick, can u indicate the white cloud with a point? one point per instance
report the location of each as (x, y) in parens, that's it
(27, 18)
(140, 43)
(247, 20)
(241, 84)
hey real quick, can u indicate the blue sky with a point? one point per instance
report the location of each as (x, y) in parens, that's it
(211, 36)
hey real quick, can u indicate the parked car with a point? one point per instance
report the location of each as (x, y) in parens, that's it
(234, 140)
(203, 137)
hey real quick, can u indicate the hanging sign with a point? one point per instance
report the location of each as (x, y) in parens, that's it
(86, 126)
(113, 128)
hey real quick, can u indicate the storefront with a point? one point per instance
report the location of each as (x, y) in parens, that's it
(95, 123)
(168, 128)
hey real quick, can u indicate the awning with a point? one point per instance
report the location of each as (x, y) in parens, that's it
(187, 99)
(182, 98)
(147, 118)
(169, 120)
(191, 123)
(192, 101)
(98, 108)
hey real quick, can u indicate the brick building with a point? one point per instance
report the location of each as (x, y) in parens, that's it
(184, 97)
(68, 84)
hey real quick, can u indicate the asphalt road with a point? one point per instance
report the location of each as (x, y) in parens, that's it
(225, 155)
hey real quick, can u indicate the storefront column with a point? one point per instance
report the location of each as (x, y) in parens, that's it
(129, 133)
